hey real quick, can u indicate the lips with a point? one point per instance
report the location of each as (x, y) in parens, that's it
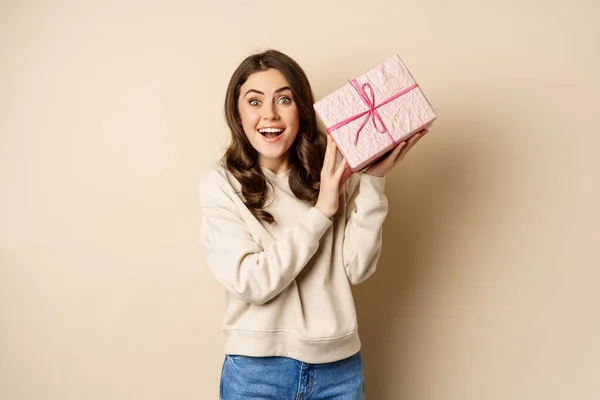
(271, 134)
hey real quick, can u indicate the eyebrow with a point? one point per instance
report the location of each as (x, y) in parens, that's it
(281, 89)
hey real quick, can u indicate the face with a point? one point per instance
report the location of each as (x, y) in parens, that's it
(269, 117)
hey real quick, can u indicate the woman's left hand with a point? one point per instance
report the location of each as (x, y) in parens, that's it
(384, 165)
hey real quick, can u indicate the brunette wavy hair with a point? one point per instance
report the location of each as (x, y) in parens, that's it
(306, 153)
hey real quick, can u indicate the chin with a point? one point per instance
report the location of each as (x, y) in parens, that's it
(272, 155)
(274, 150)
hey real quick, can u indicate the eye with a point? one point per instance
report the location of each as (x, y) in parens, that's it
(254, 102)
(285, 100)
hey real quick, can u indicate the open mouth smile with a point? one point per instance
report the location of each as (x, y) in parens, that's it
(271, 134)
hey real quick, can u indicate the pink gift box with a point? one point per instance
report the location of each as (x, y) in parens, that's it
(374, 112)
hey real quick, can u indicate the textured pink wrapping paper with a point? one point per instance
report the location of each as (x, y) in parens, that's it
(402, 116)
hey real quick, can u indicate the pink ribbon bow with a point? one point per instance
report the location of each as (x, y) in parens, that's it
(369, 98)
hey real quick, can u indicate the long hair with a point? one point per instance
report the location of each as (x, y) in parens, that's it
(306, 153)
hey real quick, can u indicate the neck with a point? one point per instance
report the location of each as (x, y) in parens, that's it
(275, 166)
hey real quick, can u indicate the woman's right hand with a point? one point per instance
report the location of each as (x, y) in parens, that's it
(332, 180)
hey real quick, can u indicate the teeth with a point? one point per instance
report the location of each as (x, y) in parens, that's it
(270, 130)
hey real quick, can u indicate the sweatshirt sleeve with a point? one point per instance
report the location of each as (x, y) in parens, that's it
(366, 210)
(238, 262)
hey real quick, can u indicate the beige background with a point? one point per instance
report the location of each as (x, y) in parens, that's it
(109, 111)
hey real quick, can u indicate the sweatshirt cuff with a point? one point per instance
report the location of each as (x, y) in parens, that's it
(372, 186)
(315, 223)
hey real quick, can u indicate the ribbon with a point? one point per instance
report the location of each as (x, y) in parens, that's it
(369, 98)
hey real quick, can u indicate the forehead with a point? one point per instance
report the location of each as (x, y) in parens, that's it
(265, 81)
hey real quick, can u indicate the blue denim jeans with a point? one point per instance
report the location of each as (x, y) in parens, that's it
(282, 378)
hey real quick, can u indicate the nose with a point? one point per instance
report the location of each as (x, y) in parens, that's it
(270, 112)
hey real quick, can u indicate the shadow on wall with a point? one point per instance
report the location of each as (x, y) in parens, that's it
(425, 200)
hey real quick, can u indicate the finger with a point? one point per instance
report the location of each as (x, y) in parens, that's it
(339, 172)
(326, 162)
(411, 142)
(398, 149)
(346, 175)
(395, 153)
(332, 156)
(415, 138)
(340, 169)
